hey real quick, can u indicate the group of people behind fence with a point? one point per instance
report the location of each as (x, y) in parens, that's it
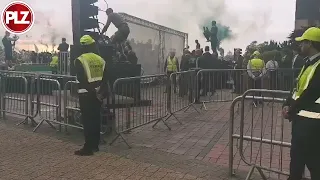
(186, 82)
(302, 107)
(237, 76)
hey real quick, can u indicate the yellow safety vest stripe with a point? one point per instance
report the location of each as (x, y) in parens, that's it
(93, 66)
(172, 64)
(304, 79)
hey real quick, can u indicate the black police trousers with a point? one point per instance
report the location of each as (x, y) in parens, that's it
(90, 108)
(305, 148)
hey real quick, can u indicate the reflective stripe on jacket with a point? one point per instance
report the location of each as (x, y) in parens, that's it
(304, 78)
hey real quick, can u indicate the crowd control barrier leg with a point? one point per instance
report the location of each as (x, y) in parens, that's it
(49, 118)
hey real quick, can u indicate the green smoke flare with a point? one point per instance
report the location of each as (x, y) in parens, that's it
(224, 32)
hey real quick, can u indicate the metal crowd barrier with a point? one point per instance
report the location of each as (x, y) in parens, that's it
(181, 92)
(33, 96)
(134, 101)
(262, 133)
(71, 107)
(16, 95)
(138, 101)
(49, 101)
(18, 102)
(64, 63)
(72, 115)
(223, 85)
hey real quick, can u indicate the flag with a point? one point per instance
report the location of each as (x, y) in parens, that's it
(36, 49)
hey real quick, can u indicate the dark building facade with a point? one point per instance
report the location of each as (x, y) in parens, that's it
(307, 13)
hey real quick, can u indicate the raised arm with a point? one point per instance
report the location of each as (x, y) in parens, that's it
(105, 28)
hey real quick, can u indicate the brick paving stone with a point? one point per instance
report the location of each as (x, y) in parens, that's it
(16, 144)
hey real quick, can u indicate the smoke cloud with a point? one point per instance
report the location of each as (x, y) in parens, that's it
(241, 21)
(190, 15)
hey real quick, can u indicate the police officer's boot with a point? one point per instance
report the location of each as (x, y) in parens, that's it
(84, 152)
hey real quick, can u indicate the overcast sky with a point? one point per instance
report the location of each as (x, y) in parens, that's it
(250, 20)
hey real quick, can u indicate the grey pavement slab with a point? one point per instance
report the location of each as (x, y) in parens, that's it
(27, 155)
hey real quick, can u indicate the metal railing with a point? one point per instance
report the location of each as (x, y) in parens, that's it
(16, 94)
(134, 101)
(64, 63)
(138, 101)
(181, 92)
(71, 107)
(223, 85)
(50, 98)
(262, 134)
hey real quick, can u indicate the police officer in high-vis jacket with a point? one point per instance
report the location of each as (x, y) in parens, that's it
(256, 70)
(302, 108)
(171, 66)
(54, 64)
(89, 69)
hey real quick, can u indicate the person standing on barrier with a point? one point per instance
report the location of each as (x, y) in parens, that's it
(171, 66)
(117, 20)
(63, 46)
(8, 47)
(303, 110)
(89, 70)
(256, 70)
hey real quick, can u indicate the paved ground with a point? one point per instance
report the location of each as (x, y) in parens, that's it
(27, 155)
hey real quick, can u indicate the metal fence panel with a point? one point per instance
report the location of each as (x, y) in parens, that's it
(262, 134)
(145, 102)
(71, 108)
(220, 85)
(64, 63)
(182, 94)
(16, 94)
(49, 98)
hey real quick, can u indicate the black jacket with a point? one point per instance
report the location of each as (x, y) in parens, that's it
(309, 96)
(239, 62)
(206, 61)
(184, 64)
(63, 47)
